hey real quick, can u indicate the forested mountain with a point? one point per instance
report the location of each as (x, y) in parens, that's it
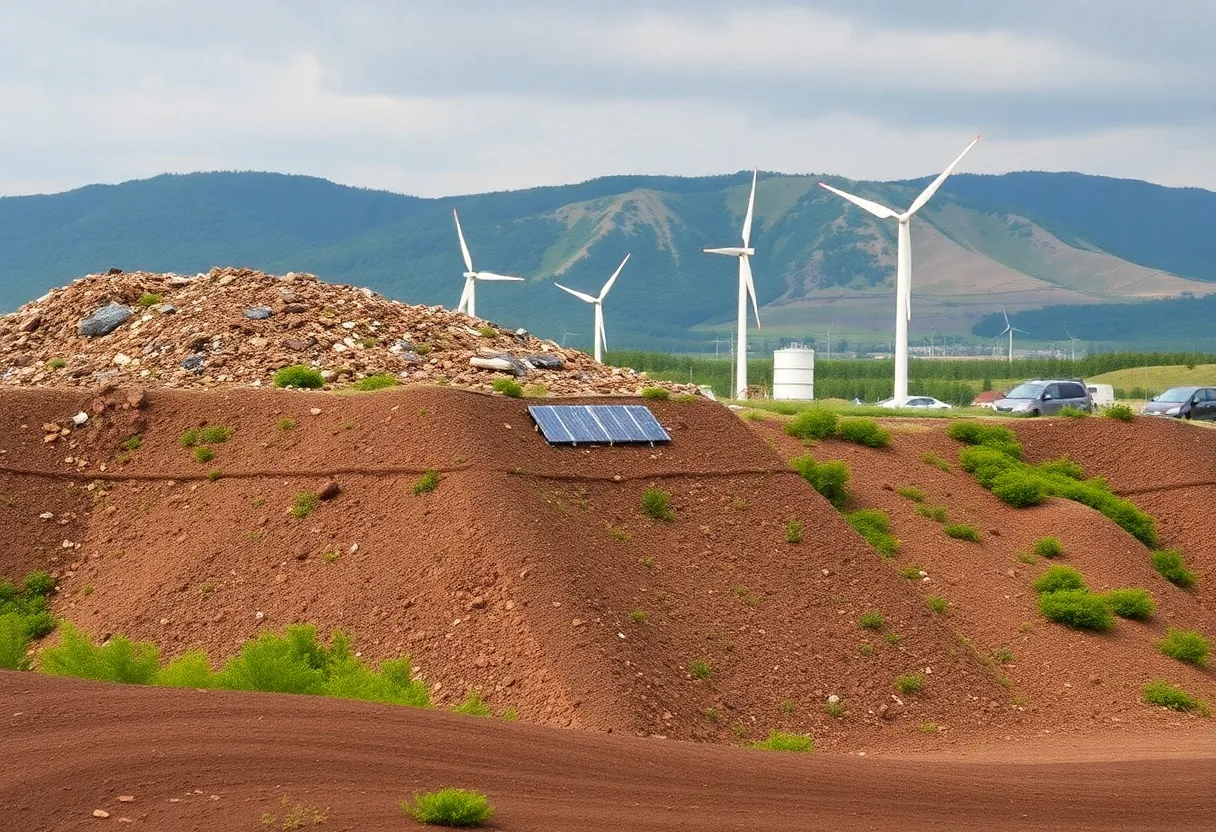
(1020, 241)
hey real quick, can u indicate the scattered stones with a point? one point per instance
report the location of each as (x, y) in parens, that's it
(194, 363)
(104, 321)
(258, 313)
(330, 490)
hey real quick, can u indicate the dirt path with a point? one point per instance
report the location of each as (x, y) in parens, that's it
(211, 761)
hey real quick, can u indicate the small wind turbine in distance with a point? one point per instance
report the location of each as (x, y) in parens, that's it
(746, 287)
(1009, 329)
(829, 339)
(903, 272)
(468, 296)
(1072, 342)
(601, 340)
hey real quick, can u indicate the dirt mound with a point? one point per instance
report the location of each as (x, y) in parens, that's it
(237, 327)
(221, 760)
(1067, 681)
(530, 574)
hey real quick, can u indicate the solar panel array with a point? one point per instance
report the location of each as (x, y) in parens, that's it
(600, 424)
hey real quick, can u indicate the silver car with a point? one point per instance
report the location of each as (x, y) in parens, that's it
(1045, 397)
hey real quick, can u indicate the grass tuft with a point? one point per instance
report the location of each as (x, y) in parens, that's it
(472, 705)
(814, 423)
(1185, 646)
(427, 483)
(828, 478)
(656, 504)
(1058, 578)
(658, 394)
(1077, 608)
(1135, 604)
(875, 527)
(871, 621)
(930, 458)
(379, 381)
(300, 377)
(784, 741)
(449, 807)
(1161, 692)
(937, 513)
(864, 432)
(1048, 547)
(1170, 565)
(793, 531)
(910, 683)
(509, 387)
(937, 604)
(699, 669)
(1120, 412)
(961, 531)
(304, 504)
(911, 492)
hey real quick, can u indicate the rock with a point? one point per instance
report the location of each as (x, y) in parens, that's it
(295, 308)
(167, 309)
(502, 362)
(100, 813)
(258, 313)
(122, 359)
(543, 362)
(30, 324)
(194, 363)
(294, 344)
(126, 798)
(330, 490)
(104, 321)
(80, 418)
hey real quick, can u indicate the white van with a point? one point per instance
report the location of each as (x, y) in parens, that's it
(1101, 394)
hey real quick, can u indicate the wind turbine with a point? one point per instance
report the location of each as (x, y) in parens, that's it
(903, 273)
(1010, 329)
(467, 297)
(829, 339)
(1072, 342)
(598, 303)
(746, 287)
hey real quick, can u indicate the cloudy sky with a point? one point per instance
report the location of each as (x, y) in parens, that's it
(442, 98)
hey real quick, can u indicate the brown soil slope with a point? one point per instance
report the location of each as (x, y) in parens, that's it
(519, 576)
(1066, 680)
(217, 761)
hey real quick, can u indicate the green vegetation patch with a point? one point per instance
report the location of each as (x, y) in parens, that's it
(1161, 692)
(911, 492)
(871, 621)
(1136, 604)
(793, 531)
(1077, 608)
(863, 432)
(508, 387)
(380, 381)
(937, 513)
(1185, 646)
(659, 394)
(304, 504)
(910, 683)
(656, 504)
(784, 741)
(828, 478)
(1058, 578)
(1119, 412)
(1170, 565)
(1048, 547)
(300, 377)
(427, 483)
(209, 435)
(472, 705)
(961, 531)
(875, 527)
(450, 807)
(814, 423)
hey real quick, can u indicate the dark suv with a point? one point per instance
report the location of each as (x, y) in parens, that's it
(1184, 403)
(1045, 396)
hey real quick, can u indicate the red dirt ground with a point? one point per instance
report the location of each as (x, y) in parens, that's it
(1067, 681)
(203, 761)
(517, 577)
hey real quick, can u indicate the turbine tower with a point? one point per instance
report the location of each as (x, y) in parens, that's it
(467, 297)
(598, 303)
(746, 288)
(1009, 329)
(903, 273)
(1072, 342)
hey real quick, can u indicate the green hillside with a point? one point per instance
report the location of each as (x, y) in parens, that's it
(1020, 241)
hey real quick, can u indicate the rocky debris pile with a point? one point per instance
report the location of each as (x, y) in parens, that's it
(237, 327)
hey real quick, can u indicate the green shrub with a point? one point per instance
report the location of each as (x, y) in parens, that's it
(987, 464)
(508, 387)
(1076, 608)
(535, 391)
(203, 454)
(1064, 467)
(1070, 412)
(304, 504)
(1170, 565)
(813, 423)
(1161, 692)
(132, 443)
(1121, 412)
(783, 741)
(148, 299)
(449, 807)
(828, 478)
(56, 364)
(39, 584)
(1018, 489)
(910, 683)
(209, 435)
(656, 504)
(1185, 646)
(993, 436)
(871, 621)
(14, 642)
(191, 670)
(427, 483)
(1135, 604)
(911, 572)
(793, 531)
(487, 332)
(911, 492)
(655, 393)
(379, 381)
(1048, 547)
(1058, 578)
(875, 527)
(937, 513)
(118, 660)
(930, 458)
(638, 616)
(472, 706)
(699, 669)
(299, 376)
(961, 531)
(864, 432)
(937, 604)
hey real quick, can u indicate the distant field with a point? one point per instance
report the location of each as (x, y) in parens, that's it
(1154, 380)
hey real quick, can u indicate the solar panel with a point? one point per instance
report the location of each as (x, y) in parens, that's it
(612, 424)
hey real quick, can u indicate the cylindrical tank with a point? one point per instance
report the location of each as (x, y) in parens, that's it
(794, 373)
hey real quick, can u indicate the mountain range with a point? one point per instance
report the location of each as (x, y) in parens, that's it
(1067, 242)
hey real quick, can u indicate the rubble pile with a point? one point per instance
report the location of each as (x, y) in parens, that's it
(237, 327)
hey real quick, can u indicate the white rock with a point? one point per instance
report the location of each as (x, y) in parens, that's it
(348, 324)
(833, 699)
(80, 418)
(122, 360)
(46, 515)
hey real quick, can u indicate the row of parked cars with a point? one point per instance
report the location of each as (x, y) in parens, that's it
(1045, 397)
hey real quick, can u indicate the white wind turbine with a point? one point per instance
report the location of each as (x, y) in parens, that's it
(1009, 329)
(746, 287)
(1072, 342)
(601, 340)
(903, 273)
(467, 297)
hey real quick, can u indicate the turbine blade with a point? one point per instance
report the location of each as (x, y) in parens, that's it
(493, 276)
(464, 296)
(599, 325)
(611, 280)
(880, 211)
(464, 249)
(928, 192)
(751, 206)
(745, 274)
(1006, 316)
(576, 293)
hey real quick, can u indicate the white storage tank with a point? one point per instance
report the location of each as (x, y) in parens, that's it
(794, 373)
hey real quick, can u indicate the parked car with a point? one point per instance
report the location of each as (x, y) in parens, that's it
(1045, 396)
(1184, 403)
(924, 402)
(1101, 394)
